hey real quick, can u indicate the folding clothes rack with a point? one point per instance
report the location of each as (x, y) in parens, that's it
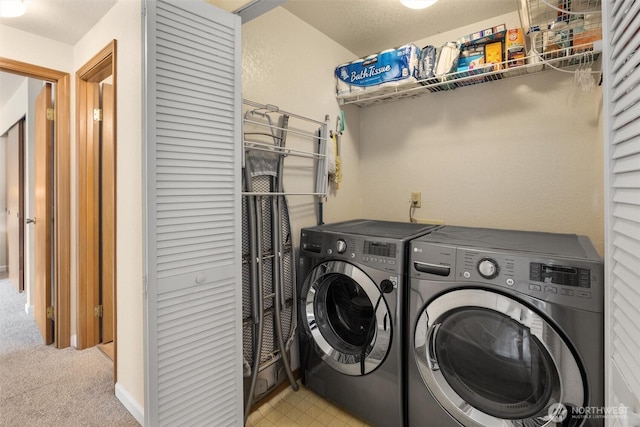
(268, 264)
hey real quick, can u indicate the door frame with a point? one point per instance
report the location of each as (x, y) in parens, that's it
(101, 66)
(61, 190)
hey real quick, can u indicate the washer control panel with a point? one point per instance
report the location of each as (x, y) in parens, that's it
(382, 254)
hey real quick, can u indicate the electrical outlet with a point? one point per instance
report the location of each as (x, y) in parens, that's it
(416, 199)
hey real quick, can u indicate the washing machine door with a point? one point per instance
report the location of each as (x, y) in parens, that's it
(347, 317)
(490, 360)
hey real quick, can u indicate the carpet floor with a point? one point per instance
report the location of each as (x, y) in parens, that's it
(43, 386)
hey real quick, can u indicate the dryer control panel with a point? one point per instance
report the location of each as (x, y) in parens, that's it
(567, 281)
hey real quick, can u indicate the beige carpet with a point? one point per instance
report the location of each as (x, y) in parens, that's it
(42, 386)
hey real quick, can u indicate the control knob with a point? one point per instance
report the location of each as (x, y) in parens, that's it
(341, 246)
(488, 268)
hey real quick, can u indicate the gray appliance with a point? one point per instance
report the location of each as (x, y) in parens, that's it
(352, 295)
(506, 329)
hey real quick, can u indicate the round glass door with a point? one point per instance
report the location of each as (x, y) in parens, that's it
(347, 317)
(489, 359)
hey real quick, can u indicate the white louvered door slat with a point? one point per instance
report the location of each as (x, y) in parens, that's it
(621, 25)
(193, 226)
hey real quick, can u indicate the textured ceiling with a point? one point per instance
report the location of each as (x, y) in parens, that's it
(369, 26)
(361, 26)
(63, 20)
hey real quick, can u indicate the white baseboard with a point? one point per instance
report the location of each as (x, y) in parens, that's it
(130, 403)
(74, 341)
(28, 309)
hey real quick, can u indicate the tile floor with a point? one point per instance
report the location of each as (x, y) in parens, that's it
(302, 408)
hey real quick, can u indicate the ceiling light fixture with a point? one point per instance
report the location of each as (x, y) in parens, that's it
(418, 4)
(12, 8)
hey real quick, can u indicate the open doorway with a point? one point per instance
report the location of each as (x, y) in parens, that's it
(13, 227)
(96, 142)
(57, 306)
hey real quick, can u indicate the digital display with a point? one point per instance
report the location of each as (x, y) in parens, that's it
(379, 248)
(560, 275)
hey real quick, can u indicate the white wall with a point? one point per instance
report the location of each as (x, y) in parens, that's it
(520, 154)
(15, 108)
(124, 23)
(524, 153)
(35, 50)
(509, 154)
(290, 64)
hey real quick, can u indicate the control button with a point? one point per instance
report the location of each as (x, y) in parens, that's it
(567, 292)
(374, 259)
(353, 255)
(329, 251)
(550, 290)
(584, 294)
(488, 268)
(466, 274)
(364, 258)
(509, 281)
(341, 246)
(392, 262)
(535, 287)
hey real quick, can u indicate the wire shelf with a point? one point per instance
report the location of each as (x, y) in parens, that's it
(560, 34)
(561, 27)
(456, 80)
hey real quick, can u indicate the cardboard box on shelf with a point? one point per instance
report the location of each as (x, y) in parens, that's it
(515, 48)
(493, 55)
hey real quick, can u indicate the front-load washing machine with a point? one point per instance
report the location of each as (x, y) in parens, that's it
(506, 329)
(352, 295)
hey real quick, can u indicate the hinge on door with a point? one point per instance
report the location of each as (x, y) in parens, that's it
(97, 114)
(50, 312)
(97, 311)
(51, 114)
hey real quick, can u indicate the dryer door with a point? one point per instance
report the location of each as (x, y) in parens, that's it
(490, 360)
(347, 317)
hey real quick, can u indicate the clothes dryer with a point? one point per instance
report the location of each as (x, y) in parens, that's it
(506, 329)
(352, 296)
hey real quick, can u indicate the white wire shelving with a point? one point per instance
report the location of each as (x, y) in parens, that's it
(563, 34)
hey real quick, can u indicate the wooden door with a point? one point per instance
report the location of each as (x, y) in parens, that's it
(43, 213)
(96, 142)
(15, 204)
(107, 214)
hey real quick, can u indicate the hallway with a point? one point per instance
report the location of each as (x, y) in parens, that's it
(42, 386)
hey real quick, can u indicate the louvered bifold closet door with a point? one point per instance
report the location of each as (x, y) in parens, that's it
(193, 334)
(622, 107)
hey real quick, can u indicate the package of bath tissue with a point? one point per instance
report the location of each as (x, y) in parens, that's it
(427, 65)
(447, 59)
(387, 69)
